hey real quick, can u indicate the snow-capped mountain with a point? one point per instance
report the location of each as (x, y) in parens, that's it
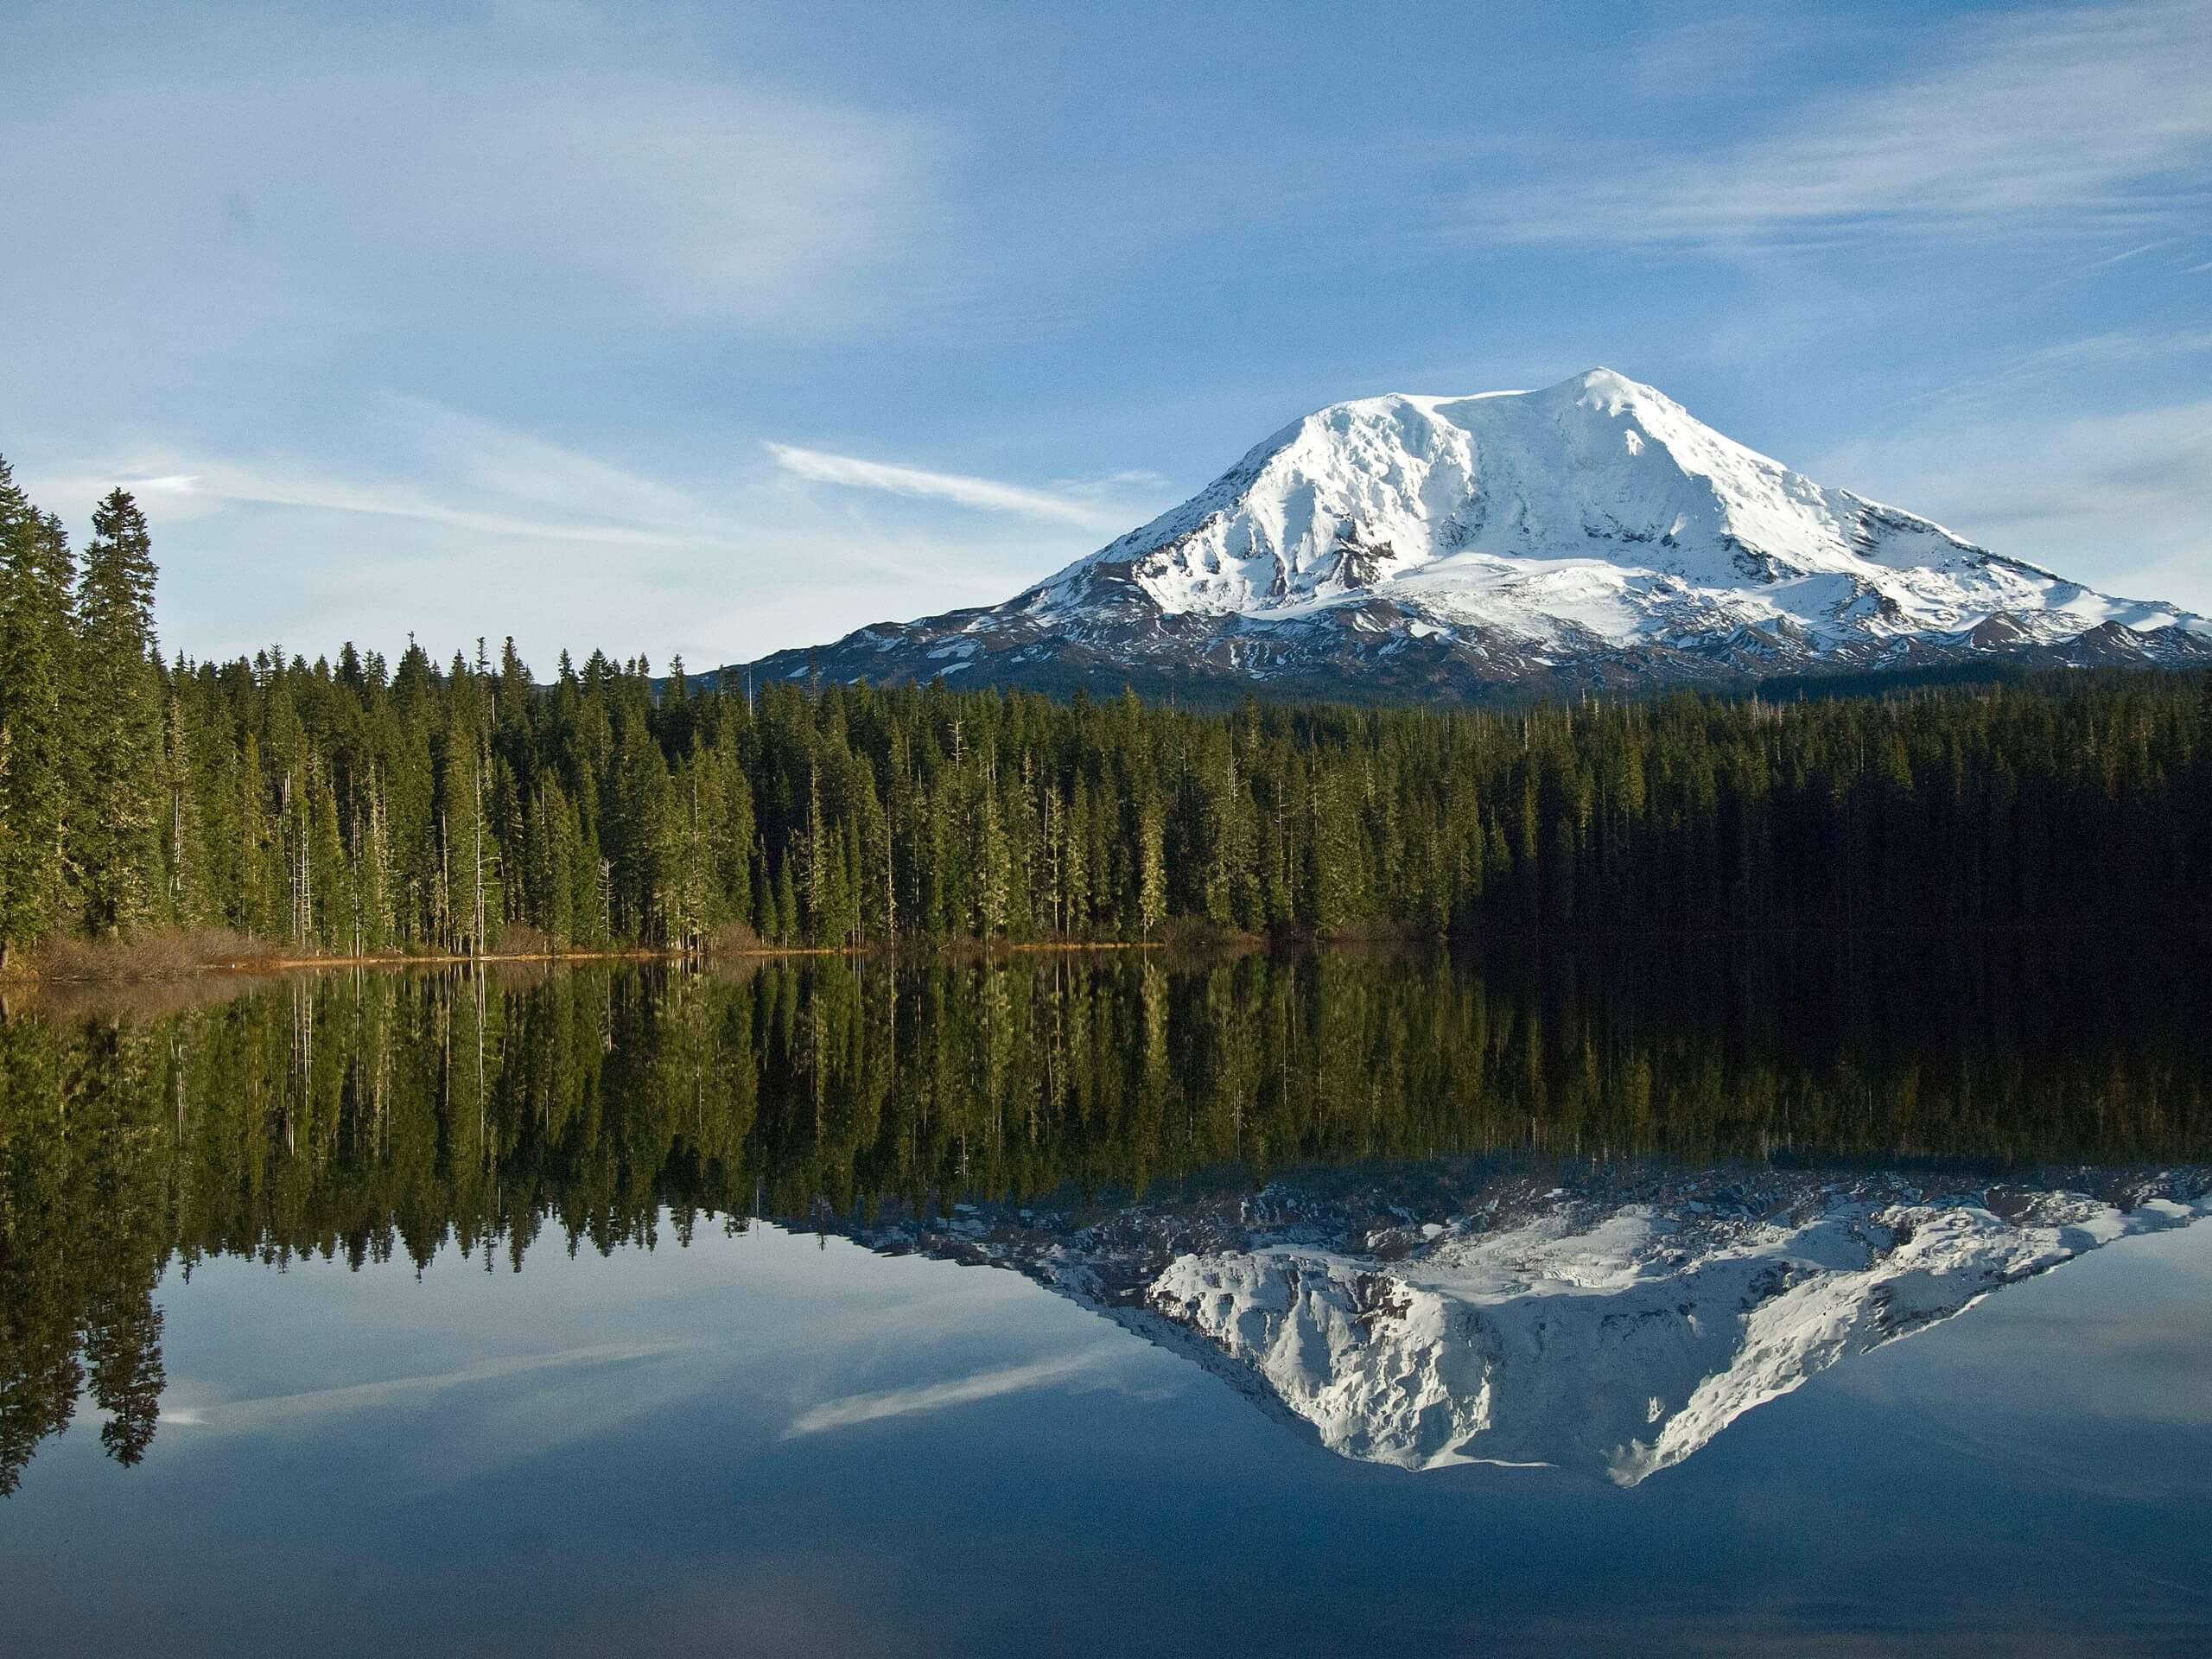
(1612, 1322)
(1590, 534)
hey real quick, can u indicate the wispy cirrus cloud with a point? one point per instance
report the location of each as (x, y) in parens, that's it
(853, 1410)
(2113, 349)
(2123, 346)
(977, 495)
(438, 520)
(2122, 501)
(369, 182)
(306, 1406)
(487, 459)
(2074, 122)
(442, 467)
(431, 520)
(232, 483)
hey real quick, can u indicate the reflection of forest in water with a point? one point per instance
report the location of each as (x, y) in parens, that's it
(387, 1114)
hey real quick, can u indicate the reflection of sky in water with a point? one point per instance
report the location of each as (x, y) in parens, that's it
(760, 1443)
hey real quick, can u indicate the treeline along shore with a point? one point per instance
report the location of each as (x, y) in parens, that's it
(358, 806)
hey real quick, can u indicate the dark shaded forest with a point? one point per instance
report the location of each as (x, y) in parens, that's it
(357, 805)
(381, 1116)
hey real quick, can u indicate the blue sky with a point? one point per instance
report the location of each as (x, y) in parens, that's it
(718, 329)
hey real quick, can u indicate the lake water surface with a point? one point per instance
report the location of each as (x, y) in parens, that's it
(1552, 1300)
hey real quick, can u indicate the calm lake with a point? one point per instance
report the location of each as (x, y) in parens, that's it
(1548, 1301)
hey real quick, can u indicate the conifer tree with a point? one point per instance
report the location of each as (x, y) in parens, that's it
(117, 839)
(37, 651)
(1152, 869)
(186, 889)
(470, 857)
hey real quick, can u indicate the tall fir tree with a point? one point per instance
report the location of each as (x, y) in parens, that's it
(116, 844)
(37, 651)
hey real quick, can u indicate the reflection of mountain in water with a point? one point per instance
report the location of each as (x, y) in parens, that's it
(386, 1118)
(1610, 1323)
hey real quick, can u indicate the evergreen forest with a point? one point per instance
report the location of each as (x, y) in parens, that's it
(357, 805)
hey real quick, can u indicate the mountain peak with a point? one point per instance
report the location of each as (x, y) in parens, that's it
(1612, 387)
(1594, 533)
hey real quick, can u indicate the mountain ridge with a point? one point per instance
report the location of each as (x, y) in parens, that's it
(1592, 535)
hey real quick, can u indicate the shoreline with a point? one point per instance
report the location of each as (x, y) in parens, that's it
(244, 966)
(707, 958)
(235, 964)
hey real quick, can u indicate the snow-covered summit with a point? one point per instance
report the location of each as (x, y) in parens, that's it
(1593, 530)
(1597, 505)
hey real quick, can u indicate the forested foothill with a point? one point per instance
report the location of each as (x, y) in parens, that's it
(357, 805)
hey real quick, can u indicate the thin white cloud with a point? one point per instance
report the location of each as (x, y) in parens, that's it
(398, 179)
(2121, 345)
(2113, 348)
(453, 526)
(486, 458)
(2047, 122)
(308, 1405)
(1141, 480)
(978, 494)
(857, 1409)
(232, 482)
(570, 18)
(2122, 502)
(447, 468)
(2135, 252)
